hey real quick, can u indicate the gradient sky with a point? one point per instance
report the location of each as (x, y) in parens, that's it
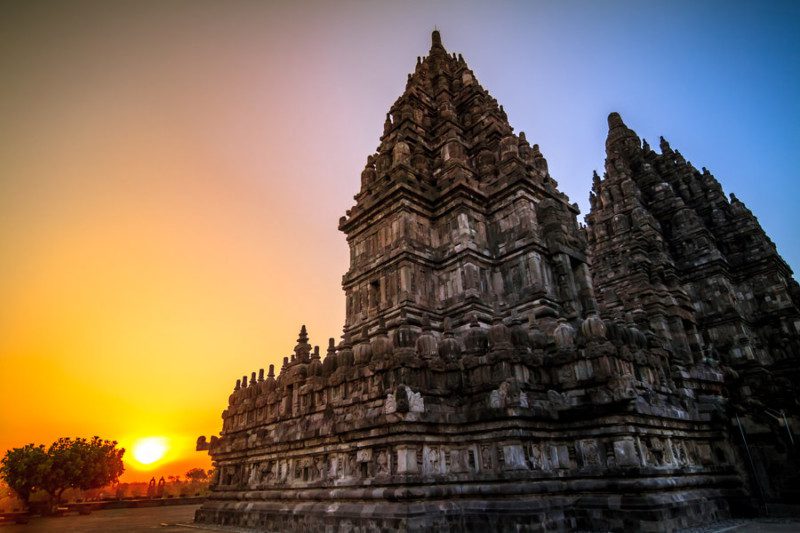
(172, 173)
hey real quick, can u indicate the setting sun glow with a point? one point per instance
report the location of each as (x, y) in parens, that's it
(149, 450)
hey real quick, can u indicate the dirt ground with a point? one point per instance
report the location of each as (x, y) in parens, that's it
(141, 520)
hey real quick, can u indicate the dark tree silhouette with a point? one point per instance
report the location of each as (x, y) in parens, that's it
(67, 463)
(23, 469)
(196, 474)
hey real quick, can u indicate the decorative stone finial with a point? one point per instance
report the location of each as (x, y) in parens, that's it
(271, 373)
(260, 375)
(593, 327)
(615, 120)
(436, 39)
(303, 349)
(363, 350)
(380, 343)
(449, 347)
(475, 338)
(345, 355)
(426, 345)
(564, 335)
(368, 174)
(331, 347)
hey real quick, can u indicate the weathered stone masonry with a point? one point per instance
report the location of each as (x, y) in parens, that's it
(488, 378)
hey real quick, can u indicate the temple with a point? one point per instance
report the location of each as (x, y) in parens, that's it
(503, 368)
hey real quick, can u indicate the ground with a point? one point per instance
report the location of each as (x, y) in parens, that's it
(148, 519)
(178, 519)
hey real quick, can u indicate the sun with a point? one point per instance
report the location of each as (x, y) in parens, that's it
(149, 450)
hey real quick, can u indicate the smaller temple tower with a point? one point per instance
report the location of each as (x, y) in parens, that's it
(698, 270)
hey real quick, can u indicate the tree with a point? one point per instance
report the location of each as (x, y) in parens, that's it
(67, 463)
(81, 464)
(196, 474)
(23, 469)
(102, 463)
(64, 468)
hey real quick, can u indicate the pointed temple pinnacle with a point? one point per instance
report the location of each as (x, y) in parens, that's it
(620, 137)
(436, 40)
(615, 120)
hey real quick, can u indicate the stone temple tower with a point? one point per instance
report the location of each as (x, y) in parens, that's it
(701, 272)
(480, 384)
(457, 216)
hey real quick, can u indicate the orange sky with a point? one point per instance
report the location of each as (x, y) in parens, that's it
(172, 174)
(162, 233)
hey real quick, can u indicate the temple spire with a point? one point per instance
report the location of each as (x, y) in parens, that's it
(436, 39)
(303, 348)
(620, 138)
(615, 120)
(437, 48)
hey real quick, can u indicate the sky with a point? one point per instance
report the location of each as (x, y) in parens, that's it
(172, 173)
